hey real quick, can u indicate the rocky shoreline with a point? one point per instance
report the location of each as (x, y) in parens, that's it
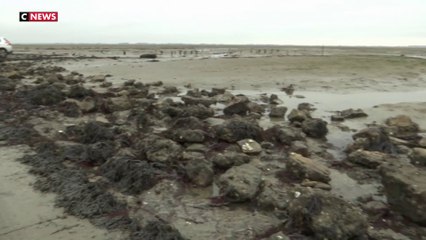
(156, 163)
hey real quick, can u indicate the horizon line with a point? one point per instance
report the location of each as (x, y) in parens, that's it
(215, 44)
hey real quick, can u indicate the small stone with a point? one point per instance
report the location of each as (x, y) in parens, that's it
(274, 196)
(228, 159)
(159, 149)
(105, 84)
(375, 207)
(300, 147)
(385, 234)
(239, 108)
(120, 103)
(169, 90)
(402, 127)
(130, 82)
(369, 159)
(189, 136)
(422, 142)
(97, 78)
(306, 168)
(371, 139)
(418, 156)
(195, 101)
(284, 134)
(273, 99)
(353, 113)
(217, 91)
(255, 108)
(267, 145)
(196, 147)
(277, 112)
(249, 146)
(337, 118)
(305, 107)
(87, 105)
(315, 184)
(297, 115)
(237, 129)
(315, 127)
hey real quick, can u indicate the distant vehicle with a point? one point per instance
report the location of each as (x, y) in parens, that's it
(5, 47)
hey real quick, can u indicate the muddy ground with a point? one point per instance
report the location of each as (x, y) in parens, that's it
(213, 143)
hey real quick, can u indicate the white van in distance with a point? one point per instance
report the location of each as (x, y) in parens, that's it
(5, 47)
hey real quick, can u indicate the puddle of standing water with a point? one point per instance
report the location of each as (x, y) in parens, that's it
(326, 103)
(344, 186)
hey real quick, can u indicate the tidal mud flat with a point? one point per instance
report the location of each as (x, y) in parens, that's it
(285, 157)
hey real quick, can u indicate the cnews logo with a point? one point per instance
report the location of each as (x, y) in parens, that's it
(38, 16)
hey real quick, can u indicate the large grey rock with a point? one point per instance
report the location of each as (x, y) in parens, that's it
(327, 216)
(80, 92)
(120, 103)
(237, 129)
(200, 172)
(159, 149)
(369, 159)
(70, 109)
(240, 183)
(255, 107)
(305, 168)
(284, 135)
(402, 124)
(315, 127)
(273, 195)
(405, 188)
(45, 95)
(350, 113)
(300, 147)
(239, 108)
(87, 105)
(198, 111)
(277, 112)
(371, 139)
(273, 99)
(298, 115)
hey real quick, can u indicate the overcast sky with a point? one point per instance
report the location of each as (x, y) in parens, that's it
(305, 22)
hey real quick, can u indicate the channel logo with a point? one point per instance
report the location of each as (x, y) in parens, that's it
(38, 16)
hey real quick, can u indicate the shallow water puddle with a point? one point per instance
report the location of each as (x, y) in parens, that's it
(327, 103)
(344, 186)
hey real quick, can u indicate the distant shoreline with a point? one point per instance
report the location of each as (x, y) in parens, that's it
(218, 45)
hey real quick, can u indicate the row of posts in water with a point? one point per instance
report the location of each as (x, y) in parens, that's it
(229, 52)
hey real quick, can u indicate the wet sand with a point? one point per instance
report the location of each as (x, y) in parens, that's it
(29, 214)
(308, 73)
